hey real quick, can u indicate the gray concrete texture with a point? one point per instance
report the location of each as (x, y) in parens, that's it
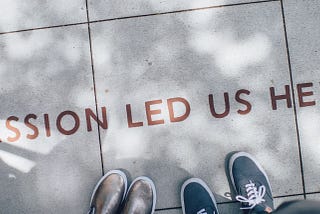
(46, 72)
(143, 54)
(19, 15)
(313, 197)
(100, 9)
(303, 25)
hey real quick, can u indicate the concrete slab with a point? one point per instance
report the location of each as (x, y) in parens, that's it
(313, 197)
(46, 75)
(20, 15)
(101, 9)
(279, 201)
(141, 63)
(302, 19)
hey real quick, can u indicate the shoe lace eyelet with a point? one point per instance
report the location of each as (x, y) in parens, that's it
(254, 195)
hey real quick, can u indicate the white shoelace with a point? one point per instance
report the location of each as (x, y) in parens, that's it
(255, 196)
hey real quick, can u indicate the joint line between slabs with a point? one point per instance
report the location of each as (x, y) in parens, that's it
(183, 11)
(293, 99)
(136, 16)
(94, 87)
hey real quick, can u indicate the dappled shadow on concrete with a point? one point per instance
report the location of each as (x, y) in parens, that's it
(20, 15)
(47, 72)
(192, 55)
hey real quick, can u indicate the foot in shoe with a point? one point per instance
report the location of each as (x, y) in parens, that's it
(197, 198)
(250, 183)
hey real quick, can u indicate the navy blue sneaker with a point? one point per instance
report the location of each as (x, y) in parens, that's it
(197, 198)
(250, 183)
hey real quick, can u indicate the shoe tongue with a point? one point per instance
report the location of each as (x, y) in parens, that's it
(207, 210)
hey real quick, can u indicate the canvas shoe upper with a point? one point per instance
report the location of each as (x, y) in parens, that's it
(250, 183)
(197, 198)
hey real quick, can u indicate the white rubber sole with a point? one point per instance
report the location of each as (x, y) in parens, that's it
(154, 192)
(241, 154)
(203, 184)
(119, 172)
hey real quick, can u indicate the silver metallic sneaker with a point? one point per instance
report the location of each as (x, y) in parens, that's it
(141, 197)
(109, 193)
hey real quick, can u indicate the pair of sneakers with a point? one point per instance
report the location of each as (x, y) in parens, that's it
(111, 196)
(249, 182)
